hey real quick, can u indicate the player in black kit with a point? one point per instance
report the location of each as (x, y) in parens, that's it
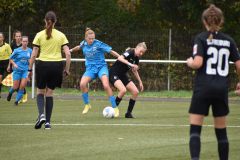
(212, 52)
(118, 75)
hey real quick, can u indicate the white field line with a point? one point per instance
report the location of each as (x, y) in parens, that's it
(109, 124)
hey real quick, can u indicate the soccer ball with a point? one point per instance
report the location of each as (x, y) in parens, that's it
(108, 112)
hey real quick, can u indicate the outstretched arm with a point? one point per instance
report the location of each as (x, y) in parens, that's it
(135, 72)
(114, 53)
(75, 49)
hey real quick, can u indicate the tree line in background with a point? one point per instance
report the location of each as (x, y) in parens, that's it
(123, 23)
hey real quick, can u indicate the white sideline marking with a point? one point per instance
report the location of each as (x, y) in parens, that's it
(140, 125)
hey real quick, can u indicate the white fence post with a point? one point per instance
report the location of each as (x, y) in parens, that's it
(33, 81)
(169, 58)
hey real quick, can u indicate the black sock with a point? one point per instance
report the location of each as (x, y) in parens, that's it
(223, 145)
(118, 100)
(131, 105)
(0, 87)
(24, 91)
(49, 108)
(40, 104)
(195, 141)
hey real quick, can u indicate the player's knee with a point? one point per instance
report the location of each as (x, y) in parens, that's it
(83, 86)
(106, 86)
(123, 91)
(135, 93)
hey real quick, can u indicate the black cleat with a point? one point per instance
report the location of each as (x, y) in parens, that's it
(47, 125)
(40, 122)
(16, 103)
(9, 97)
(129, 115)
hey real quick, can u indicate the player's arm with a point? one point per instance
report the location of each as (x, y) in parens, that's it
(237, 64)
(68, 59)
(33, 57)
(195, 63)
(114, 53)
(9, 64)
(74, 49)
(123, 60)
(136, 74)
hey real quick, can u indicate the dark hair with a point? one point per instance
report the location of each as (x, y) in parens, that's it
(16, 31)
(214, 18)
(88, 31)
(50, 19)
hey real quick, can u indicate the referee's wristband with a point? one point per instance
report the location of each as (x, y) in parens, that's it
(130, 64)
(29, 70)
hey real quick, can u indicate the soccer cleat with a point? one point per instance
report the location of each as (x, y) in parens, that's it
(16, 103)
(47, 125)
(40, 121)
(9, 97)
(86, 108)
(24, 98)
(116, 112)
(129, 115)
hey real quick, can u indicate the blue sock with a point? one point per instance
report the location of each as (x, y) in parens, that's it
(85, 98)
(11, 90)
(19, 95)
(112, 101)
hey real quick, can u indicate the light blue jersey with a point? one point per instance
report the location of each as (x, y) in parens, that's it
(21, 58)
(94, 53)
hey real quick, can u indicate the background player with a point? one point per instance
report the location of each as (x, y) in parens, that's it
(118, 75)
(5, 52)
(49, 69)
(20, 61)
(212, 52)
(96, 66)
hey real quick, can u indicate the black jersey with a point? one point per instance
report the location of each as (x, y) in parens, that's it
(122, 68)
(216, 54)
(14, 45)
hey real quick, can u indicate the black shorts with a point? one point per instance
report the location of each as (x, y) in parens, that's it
(49, 74)
(202, 100)
(3, 66)
(113, 77)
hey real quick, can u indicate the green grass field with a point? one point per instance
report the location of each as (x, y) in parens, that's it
(159, 132)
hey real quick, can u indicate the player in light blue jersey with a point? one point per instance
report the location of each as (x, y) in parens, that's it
(20, 61)
(96, 66)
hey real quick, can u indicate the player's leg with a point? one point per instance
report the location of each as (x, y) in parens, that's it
(196, 121)
(220, 111)
(84, 88)
(16, 83)
(221, 134)
(23, 83)
(121, 91)
(0, 84)
(131, 87)
(48, 107)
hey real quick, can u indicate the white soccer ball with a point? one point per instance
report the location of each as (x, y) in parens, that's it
(108, 112)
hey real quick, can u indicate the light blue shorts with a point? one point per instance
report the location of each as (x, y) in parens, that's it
(18, 75)
(94, 71)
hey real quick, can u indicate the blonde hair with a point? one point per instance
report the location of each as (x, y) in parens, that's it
(213, 17)
(142, 44)
(88, 31)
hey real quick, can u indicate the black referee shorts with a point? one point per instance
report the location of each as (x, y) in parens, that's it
(202, 100)
(3, 66)
(49, 74)
(113, 77)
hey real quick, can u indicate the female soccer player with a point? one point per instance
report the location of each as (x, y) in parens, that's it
(5, 52)
(49, 69)
(212, 52)
(96, 66)
(118, 75)
(20, 61)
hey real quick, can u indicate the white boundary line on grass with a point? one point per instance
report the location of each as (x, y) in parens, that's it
(117, 124)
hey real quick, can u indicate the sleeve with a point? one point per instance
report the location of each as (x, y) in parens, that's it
(105, 48)
(234, 53)
(64, 40)
(36, 41)
(198, 47)
(13, 55)
(9, 50)
(81, 44)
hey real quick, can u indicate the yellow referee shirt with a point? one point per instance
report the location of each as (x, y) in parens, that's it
(5, 51)
(50, 50)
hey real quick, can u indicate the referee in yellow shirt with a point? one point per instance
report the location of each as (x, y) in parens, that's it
(5, 52)
(49, 68)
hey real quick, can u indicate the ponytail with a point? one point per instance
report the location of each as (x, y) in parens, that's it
(50, 20)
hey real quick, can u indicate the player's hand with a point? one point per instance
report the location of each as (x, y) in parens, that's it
(190, 61)
(238, 89)
(29, 75)
(15, 66)
(135, 67)
(9, 68)
(141, 86)
(66, 73)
